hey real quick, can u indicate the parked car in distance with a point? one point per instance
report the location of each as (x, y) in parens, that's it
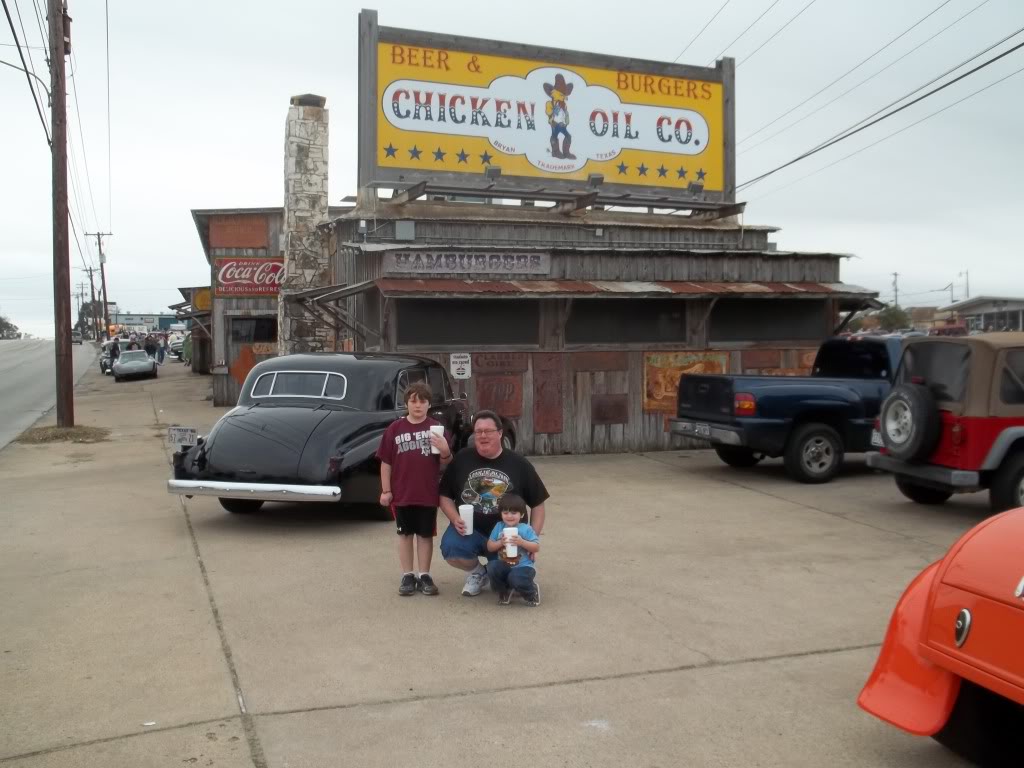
(950, 666)
(105, 352)
(76, 337)
(134, 364)
(812, 421)
(954, 422)
(948, 330)
(307, 428)
(175, 344)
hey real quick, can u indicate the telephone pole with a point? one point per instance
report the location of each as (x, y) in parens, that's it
(103, 276)
(896, 288)
(60, 29)
(92, 305)
(78, 302)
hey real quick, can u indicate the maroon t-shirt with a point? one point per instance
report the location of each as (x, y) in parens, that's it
(415, 471)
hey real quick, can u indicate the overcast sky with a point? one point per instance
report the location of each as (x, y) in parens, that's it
(199, 95)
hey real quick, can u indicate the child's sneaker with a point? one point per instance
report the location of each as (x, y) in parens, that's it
(408, 585)
(533, 600)
(504, 598)
(426, 585)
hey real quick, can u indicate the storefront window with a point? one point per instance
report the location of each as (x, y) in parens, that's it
(768, 320)
(626, 321)
(249, 330)
(479, 322)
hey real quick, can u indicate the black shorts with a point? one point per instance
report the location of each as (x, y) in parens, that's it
(421, 521)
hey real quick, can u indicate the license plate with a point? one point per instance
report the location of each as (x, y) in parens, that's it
(181, 437)
(702, 430)
(876, 439)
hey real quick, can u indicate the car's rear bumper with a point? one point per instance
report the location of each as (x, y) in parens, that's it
(716, 433)
(927, 473)
(254, 491)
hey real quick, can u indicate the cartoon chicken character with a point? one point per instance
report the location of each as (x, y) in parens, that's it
(557, 111)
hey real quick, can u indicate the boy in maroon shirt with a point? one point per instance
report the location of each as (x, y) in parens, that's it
(409, 479)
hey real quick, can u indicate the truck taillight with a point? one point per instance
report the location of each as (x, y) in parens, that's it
(744, 404)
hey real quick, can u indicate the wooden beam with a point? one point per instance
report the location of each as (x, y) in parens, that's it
(581, 201)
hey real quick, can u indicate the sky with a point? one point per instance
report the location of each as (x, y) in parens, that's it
(199, 94)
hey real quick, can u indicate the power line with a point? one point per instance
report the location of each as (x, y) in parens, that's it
(28, 77)
(81, 135)
(891, 135)
(741, 34)
(24, 34)
(887, 115)
(872, 77)
(778, 32)
(722, 8)
(110, 199)
(847, 72)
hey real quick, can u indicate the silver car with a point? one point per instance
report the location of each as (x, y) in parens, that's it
(135, 363)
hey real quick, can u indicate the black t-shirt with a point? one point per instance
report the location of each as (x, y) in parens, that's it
(473, 479)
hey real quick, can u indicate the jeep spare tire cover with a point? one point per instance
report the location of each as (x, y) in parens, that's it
(910, 422)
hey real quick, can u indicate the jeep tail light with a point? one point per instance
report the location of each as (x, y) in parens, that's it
(917, 380)
(744, 404)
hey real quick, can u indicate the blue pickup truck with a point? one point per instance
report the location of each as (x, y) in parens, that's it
(811, 421)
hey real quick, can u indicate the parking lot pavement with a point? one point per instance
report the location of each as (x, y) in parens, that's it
(692, 614)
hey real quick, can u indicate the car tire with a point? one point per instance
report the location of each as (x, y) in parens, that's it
(983, 727)
(921, 494)
(508, 440)
(737, 456)
(117, 379)
(814, 453)
(1007, 491)
(909, 422)
(241, 506)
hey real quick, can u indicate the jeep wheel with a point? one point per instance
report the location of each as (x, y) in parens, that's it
(814, 453)
(736, 456)
(921, 494)
(241, 506)
(1007, 491)
(910, 422)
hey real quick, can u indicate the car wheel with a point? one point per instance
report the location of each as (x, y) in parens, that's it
(814, 453)
(1007, 491)
(910, 422)
(117, 379)
(736, 456)
(241, 506)
(508, 441)
(921, 494)
(983, 727)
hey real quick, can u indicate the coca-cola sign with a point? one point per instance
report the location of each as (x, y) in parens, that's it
(248, 277)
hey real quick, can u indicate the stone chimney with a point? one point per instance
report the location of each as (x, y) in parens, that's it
(307, 262)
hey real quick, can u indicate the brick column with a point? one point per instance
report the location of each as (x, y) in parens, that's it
(307, 262)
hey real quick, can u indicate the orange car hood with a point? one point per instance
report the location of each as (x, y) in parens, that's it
(990, 561)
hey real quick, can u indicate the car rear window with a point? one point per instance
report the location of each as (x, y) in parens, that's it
(133, 356)
(1011, 387)
(321, 384)
(853, 359)
(941, 366)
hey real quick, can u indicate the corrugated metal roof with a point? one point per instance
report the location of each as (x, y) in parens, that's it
(590, 249)
(509, 288)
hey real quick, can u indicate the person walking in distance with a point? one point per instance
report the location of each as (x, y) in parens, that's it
(480, 475)
(412, 453)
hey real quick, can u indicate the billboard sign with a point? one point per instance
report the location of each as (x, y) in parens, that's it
(237, 276)
(445, 109)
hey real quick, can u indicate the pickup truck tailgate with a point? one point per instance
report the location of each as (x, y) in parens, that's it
(705, 397)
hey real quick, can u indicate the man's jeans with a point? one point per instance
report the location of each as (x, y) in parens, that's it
(506, 578)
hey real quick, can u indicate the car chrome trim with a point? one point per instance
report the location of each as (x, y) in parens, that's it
(962, 627)
(327, 377)
(255, 491)
(687, 428)
(955, 478)
(1019, 591)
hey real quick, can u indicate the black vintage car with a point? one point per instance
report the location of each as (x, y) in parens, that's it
(307, 428)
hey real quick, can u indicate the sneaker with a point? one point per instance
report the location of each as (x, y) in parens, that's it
(504, 598)
(408, 585)
(533, 601)
(426, 585)
(475, 581)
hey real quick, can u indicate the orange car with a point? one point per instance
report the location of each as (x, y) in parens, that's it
(952, 664)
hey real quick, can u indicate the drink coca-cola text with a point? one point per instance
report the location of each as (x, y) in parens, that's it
(249, 277)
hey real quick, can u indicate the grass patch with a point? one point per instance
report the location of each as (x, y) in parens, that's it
(43, 435)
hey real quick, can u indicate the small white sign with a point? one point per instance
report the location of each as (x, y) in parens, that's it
(181, 437)
(460, 365)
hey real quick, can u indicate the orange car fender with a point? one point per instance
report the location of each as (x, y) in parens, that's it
(904, 689)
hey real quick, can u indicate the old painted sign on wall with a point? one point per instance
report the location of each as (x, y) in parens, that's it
(548, 393)
(466, 263)
(500, 362)
(240, 276)
(663, 369)
(502, 394)
(451, 111)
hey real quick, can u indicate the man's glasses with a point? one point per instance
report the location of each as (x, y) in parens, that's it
(485, 432)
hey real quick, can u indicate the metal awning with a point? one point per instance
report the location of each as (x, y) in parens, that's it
(447, 288)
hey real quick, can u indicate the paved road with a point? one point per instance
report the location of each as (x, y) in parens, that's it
(27, 387)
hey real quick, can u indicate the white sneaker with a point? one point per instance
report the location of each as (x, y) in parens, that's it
(474, 583)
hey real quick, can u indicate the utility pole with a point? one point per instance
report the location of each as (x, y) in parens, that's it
(78, 301)
(92, 305)
(103, 274)
(896, 288)
(60, 30)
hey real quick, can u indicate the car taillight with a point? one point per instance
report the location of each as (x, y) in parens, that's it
(744, 404)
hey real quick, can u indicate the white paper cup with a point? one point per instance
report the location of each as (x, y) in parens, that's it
(466, 513)
(438, 430)
(511, 550)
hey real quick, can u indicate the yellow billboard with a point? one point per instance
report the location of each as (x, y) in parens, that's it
(460, 106)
